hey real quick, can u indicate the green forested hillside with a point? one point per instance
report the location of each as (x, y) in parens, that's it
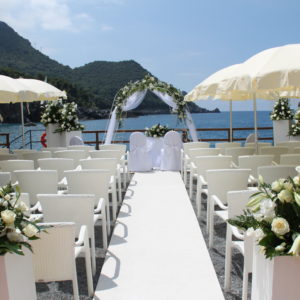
(93, 86)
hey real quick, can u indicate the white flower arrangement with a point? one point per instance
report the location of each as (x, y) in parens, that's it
(15, 226)
(273, 215)
(156, 130)
(295, 127)
(281, 110)
(151, 83)
(63, 114)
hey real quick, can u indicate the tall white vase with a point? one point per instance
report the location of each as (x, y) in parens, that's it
(53, 139)
(295, 138)
(66, 137)
(17, 277)
(281, 131)
(275, 279)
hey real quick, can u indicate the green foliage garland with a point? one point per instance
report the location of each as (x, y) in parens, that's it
(151, 83)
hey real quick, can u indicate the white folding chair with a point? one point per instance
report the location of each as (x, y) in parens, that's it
(74, 154)
(225, 145)
(13, 165)
(253, 162)
(55, 252)
(237, 201)
(120, 147)
(86, 148)
(110, 164)
(286, 159)
(139, 159)
(219, 182)
(171, 152)
(78, 208)
(93, 182)
(36, 155)
(4, 150)
(272, 173)
(199, 166)
(36, 182)
(276, 151)
(257, 146)
(238, 151)
(291, 145)
(53, 149)
(6, 156)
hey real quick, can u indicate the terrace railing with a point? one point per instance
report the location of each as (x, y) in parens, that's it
(96, 137)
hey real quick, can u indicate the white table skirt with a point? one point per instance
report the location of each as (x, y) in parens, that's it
(154, 146)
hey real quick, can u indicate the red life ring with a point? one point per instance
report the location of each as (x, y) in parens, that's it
(44, 140)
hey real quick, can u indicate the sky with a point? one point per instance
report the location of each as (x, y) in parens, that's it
(179, 41)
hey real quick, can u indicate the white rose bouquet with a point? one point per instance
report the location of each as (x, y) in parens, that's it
(156, 130)
(273, 214)
(15, 226)
(51, 112)
(282, 110)
(295, 128)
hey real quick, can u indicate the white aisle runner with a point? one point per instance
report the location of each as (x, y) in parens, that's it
(157, 251)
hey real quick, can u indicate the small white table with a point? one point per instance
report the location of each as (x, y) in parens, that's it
(154, 146)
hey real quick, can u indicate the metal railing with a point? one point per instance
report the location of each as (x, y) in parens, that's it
(97, 135)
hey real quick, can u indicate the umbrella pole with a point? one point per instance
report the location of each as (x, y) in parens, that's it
(22, 121)
(230, 120)
(255, 122)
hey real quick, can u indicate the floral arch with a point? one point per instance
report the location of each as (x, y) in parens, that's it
(132, 94)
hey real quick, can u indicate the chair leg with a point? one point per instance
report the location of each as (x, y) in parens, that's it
(207, 213)
(119, 189)
(191, 183)
(114, 201)
(211, 225)
(75, 283)
(88, 268)
(245, 283)
(228, 260)
(104, 231)
(198, 199)
(107, 210)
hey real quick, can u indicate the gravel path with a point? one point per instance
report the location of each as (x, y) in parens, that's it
(63, 290)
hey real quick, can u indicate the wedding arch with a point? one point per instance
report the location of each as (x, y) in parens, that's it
(132, 94)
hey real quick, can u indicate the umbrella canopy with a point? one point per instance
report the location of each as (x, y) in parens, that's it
(42, 89)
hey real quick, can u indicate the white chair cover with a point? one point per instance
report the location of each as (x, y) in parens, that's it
(171, 155)
(76, 140)
(139, 159)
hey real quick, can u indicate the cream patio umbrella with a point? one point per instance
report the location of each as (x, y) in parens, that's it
(270, 74)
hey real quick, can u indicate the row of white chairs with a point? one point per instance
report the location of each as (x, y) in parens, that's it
(227, 194)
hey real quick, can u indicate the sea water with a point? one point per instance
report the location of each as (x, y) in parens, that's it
(241, 119)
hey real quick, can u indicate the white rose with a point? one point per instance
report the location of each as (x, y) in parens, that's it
(259, 234)
(15, 236)
(280, 247)
(280, 226)
(8, 216)
(288, 186)
(7, 197)
(30, 230)
(276, 186)
(267, 207)
(296, 180)
(22, 206)
(285, 196)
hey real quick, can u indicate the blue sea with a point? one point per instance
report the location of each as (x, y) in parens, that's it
(209, 120)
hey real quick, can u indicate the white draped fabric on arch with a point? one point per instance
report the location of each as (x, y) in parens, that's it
(134, 100)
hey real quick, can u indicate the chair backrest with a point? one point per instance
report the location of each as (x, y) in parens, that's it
(54, 149)
(291, 145)
(190, 145)
(272, 173)
(74, 154)
(4, 156)
(106, 154)
(276, 151)
(290, 159)
(5, 178)
(53, 254)
(238, 151)
(13, 165)
(173, 139)
(224, 145)
(254, 161)
(58, 164)
(120, 147)
(204, 163)
(76, 140)
(100, 163)
(37, 155)
(36, 182)
(193, 152)
(223, 180)
(86, 148)
(258, 145)
(78, 208)
(4, 150)
(137, 140)
(89, 182)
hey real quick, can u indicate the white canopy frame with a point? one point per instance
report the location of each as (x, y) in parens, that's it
(134, 100)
